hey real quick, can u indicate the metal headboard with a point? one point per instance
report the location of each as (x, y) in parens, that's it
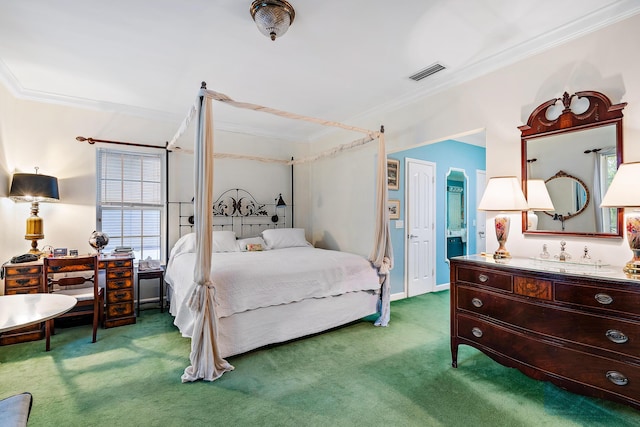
(237, 210)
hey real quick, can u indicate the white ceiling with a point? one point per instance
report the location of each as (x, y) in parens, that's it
(339, 60)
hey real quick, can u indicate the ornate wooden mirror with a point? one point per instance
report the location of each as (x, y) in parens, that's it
(575, 146)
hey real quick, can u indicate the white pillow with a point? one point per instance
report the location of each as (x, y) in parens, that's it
(185, 244)
(279, 238)
(224, 241)
(242, 243)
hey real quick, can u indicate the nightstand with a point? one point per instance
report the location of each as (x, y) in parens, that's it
(156, 273)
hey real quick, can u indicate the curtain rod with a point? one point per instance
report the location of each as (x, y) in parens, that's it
(133, 144)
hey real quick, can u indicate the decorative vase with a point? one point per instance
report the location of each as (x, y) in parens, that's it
(633, 237)
(502, 223)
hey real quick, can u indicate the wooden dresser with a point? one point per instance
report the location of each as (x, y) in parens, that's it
(119, 294)
(575, 326)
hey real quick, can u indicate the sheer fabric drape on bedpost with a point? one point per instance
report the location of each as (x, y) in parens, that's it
(206, 362)
(382, 254)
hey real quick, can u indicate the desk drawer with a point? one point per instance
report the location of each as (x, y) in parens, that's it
(121, 295)
(119, 310)
(119, 263)
(114, 284)
(12, 282)
(21, 270)
(591, 371)
(119, 273)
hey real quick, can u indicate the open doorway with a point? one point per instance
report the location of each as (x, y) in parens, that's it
(464, 152)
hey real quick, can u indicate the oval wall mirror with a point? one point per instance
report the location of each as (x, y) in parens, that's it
(584, 142)
(570, 197)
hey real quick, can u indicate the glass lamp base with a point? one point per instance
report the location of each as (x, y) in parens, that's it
(501, 254)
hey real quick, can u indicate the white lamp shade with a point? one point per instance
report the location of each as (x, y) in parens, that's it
(624, 191)
(538, 197)
(503, 193)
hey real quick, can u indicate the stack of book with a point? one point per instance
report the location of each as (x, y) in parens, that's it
(122, 251)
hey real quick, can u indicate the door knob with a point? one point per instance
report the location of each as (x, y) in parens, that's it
(412, 236)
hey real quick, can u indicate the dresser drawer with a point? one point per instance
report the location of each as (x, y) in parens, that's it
(600, 332)
(617, 300)
(122, 295)
(488, 278)
(598, 373)
(114, 284)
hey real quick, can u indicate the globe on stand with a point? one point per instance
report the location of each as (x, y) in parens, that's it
(98, 240)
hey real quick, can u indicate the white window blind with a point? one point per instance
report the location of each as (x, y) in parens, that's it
(130, 201)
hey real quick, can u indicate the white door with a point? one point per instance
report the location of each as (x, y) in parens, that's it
(481, 216)
(420, 205)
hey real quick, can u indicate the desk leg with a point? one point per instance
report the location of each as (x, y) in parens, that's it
(138, 299)
(162, 294)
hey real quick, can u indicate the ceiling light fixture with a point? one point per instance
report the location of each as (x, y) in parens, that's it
(273, 17)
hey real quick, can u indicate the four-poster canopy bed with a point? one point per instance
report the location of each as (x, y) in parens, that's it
(206, 326)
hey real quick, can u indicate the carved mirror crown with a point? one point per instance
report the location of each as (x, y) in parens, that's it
(580, 136)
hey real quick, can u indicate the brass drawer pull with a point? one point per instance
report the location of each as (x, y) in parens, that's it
(617, 378)
(477, 302)
(616, 336)
(22, 281)
(604, 299)
(483, 278)
(477, 332)
(120, 295)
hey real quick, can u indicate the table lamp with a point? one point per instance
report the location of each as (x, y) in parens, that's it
(624, 193)
(538, 199)
(34, 188)
(503, 194)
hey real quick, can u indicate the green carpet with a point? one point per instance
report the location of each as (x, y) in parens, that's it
(358, 375)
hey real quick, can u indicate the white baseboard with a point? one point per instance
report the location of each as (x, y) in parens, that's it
(438, 288)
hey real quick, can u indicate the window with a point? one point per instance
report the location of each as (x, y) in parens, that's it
(608, 166)
(130, 208)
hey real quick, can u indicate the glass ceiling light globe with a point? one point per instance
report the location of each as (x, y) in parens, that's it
(272, 17)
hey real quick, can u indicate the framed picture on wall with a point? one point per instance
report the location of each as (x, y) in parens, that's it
(393, 170)
(394, 209)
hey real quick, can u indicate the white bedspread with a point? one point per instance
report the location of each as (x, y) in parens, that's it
(250, 280)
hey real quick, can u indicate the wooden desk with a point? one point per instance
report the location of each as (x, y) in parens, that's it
(21, 310)
(26, 278)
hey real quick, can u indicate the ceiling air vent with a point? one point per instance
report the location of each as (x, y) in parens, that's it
(430, 70)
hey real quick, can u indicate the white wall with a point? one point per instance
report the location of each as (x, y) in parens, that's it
(498, 102)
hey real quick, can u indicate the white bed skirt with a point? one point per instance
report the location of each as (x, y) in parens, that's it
(249, 330)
